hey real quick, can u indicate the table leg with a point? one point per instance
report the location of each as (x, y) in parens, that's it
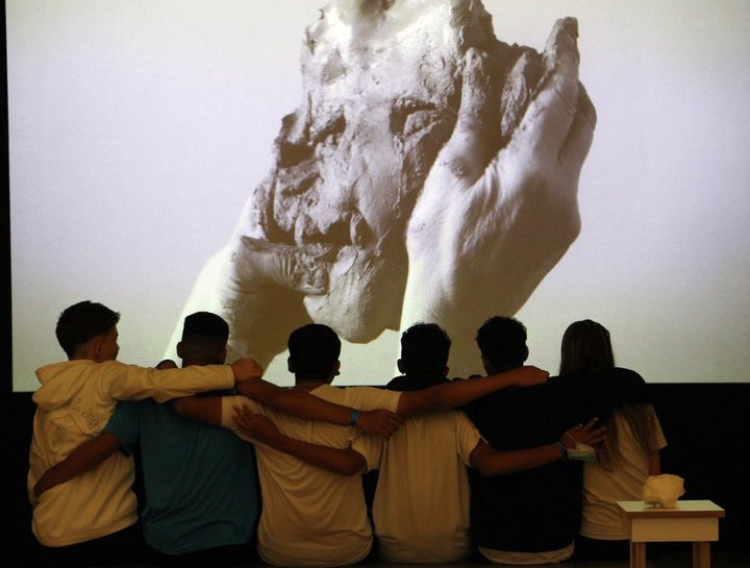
(637, 555)
(701, 555)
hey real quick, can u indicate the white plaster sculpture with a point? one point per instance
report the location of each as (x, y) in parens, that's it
(663, 490)
(430, 173)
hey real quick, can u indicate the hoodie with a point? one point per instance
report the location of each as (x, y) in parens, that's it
(75, 402)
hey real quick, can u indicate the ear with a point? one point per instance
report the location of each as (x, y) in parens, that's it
(289, 365)
(445, 372)
(223, 356)
(179, 350)
(337, 368)
(96, 348)
(526, 353)
(400, 366)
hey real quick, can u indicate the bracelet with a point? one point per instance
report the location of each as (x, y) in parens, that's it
(355, 417)
(563, 450)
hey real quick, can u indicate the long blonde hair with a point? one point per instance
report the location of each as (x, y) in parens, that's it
(587, 348)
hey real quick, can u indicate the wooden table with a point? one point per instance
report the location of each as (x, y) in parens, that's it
(689, 521)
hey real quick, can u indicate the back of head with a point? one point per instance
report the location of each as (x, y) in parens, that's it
(82, 322)
(314, 350)
(586, 348)
(424, 350)
(204, 339)
(502, 342)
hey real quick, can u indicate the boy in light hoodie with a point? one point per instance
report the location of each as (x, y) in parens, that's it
(92, 518)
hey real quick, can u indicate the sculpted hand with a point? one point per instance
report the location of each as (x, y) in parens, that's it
(499, 206)
(257, 427)
(381, 422)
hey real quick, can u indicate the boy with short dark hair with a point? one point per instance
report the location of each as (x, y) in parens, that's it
(75, 521)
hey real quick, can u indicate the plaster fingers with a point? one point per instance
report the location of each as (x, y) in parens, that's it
(476, 135)
(547, 121)
(577, 144)
(259, 263)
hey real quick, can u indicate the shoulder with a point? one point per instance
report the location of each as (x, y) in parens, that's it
(370, 398)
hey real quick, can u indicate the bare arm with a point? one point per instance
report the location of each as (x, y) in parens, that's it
(84, 458)
(457, 393)
(261, 429)
(200, 409)
(654, 463)
(304, 405)
(489, 461)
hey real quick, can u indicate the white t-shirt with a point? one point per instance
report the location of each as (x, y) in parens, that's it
(310, 516)
(421, 507)
(601, 488)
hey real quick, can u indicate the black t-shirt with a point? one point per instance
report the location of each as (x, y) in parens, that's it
(539, 509)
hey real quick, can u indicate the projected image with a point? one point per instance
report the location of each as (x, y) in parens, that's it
(429, 165)
(370, 164)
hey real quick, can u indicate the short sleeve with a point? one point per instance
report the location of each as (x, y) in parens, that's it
(125, 425)
(467, 436)
(230, 405)
(371, 447)
(658, 441)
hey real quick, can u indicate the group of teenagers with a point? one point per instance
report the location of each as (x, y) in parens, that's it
(514, 467)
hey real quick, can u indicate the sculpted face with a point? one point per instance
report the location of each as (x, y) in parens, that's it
(429, 174)
(352, 160)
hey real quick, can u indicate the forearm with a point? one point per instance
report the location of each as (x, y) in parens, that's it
(345, 462)
(295, 402)
(206, 410)
(450, 395)
(84, 458)
(495, 462)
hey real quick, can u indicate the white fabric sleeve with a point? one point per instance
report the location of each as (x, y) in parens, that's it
(371, 448)
(467, 436)
(658, 441)
(229, 405)
(130, 382)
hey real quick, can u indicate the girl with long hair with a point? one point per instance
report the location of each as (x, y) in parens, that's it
(629, 454)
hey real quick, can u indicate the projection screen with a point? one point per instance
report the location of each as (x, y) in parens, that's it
(147, 137)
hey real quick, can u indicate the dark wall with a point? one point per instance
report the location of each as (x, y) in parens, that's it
(706, 426)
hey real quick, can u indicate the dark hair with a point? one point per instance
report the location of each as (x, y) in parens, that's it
(424, 349)
(81, 322)
(204, 338)
(314, 350)
(502, 342)
(586, 347)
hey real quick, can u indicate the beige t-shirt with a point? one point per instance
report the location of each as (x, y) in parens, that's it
(601, 488)
(421, 507)
(310, 516)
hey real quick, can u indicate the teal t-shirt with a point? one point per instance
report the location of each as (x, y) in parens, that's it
(200, 483)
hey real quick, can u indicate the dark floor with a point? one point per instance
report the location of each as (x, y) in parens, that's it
(664, 556)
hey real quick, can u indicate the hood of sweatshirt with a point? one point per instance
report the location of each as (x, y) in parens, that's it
(61, 382)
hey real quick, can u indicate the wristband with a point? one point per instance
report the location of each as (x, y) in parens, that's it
(355, 417)
(563, 450)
